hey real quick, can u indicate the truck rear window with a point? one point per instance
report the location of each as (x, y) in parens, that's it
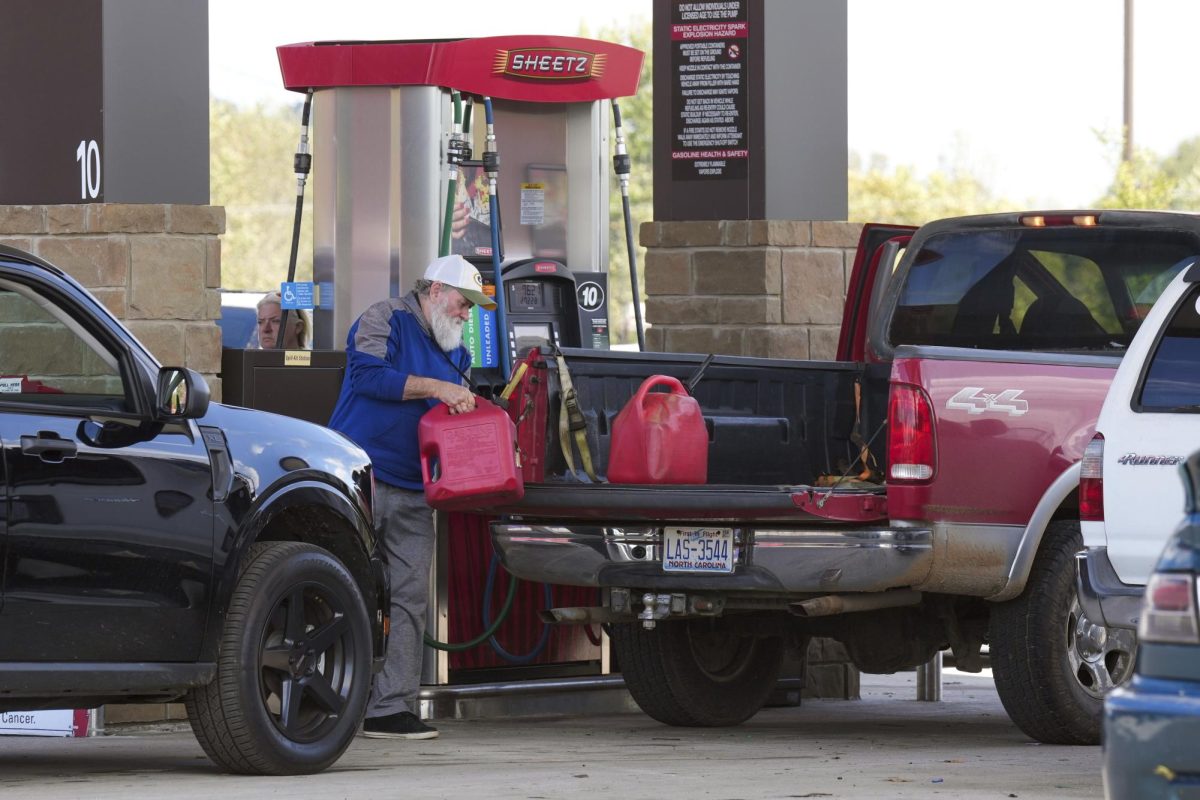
(1172, 378)
(1051, 289)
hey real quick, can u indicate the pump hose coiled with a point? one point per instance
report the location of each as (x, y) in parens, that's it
(458, 647)
(548, 599)
(491, 626)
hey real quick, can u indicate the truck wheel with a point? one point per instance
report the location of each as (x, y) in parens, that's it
(697, 673)
(294, 668)
(1053, 665)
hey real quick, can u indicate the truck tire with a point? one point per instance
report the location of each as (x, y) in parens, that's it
(697, 673)
(294, 668)
(1052, 665)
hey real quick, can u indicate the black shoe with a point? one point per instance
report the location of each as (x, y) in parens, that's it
(402, 725)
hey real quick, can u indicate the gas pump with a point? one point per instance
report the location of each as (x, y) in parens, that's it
(386, 132)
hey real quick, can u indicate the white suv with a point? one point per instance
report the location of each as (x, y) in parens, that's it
(1130, 495)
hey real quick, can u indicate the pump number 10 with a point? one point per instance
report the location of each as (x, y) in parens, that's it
(88, 156)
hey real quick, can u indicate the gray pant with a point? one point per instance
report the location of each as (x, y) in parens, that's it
(404, 525)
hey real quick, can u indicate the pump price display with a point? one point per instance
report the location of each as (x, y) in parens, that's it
(698, 550)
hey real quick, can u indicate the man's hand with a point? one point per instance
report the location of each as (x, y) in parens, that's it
(459, 399)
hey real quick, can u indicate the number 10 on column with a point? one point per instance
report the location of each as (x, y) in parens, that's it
(88, 156)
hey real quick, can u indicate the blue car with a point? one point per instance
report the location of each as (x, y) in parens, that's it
(1152, 727)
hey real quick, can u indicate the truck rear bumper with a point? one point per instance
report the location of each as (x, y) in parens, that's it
(1105, 599)
(769, 558)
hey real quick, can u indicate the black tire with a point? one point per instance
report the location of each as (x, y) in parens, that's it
(697, 673)
(1052, 665)
(297, 628)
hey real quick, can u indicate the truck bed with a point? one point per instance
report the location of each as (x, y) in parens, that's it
(779, 431)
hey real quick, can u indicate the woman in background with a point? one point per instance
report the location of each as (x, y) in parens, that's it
(270, 317)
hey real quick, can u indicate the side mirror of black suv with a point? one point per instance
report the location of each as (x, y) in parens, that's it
(182, 393)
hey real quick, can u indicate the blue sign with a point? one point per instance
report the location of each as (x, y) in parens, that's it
(296, 294)
(325, 294)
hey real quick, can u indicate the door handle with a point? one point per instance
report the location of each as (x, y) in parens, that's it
(49, 447)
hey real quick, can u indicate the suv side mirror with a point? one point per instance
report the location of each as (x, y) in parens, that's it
(182, 393)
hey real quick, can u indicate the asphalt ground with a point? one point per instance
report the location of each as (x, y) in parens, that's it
(887, 745)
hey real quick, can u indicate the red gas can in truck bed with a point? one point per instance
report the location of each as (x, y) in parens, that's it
(659, 437)
(468, 461)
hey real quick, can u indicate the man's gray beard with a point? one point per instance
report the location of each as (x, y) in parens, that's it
(447, 330)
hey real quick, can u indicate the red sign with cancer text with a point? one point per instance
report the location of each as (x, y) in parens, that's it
(549, 64)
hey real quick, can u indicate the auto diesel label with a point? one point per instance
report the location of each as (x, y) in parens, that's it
(549, 64)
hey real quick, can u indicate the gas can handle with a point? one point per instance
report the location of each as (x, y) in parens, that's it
(658, 380)
(429, 449)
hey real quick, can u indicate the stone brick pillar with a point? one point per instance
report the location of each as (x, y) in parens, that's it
(770, 288)
(155, 267)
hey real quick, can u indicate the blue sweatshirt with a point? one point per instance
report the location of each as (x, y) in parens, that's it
(389, 342)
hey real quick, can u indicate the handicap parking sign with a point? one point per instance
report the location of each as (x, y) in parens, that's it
(296, 294)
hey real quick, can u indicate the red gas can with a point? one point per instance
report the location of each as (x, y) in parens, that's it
(659, 437)
(468, 461)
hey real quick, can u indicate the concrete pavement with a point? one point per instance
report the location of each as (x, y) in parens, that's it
(887, 745)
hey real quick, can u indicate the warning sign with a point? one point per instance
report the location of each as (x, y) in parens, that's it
(533, 203)
(709, 43)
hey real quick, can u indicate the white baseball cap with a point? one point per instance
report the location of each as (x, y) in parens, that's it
(456, 271)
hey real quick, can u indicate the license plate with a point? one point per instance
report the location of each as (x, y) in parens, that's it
(698, 550)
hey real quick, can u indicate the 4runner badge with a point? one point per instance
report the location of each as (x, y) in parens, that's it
(974, 400)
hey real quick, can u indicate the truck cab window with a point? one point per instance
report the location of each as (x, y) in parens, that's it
(1057, 289)
(47, 358)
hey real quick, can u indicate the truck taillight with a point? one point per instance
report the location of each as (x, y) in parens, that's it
(1091, 481)
(1169, 609)
(1058, 220)
(911, 453)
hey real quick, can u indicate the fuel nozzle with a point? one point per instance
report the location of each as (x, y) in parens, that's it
(458, 149)
(491, 157)
(622, 164)
(302, 161)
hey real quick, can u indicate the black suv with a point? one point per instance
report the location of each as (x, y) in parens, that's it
(156, 546)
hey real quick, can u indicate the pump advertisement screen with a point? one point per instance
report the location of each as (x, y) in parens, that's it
(470, 228)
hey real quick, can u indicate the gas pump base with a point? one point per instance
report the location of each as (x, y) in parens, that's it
(603, 694)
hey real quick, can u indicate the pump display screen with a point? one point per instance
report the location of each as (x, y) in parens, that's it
(527, 295)
(527, 335)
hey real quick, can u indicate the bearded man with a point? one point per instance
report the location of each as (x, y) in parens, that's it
(404, 355)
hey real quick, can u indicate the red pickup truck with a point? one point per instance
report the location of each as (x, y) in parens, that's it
(917, 494)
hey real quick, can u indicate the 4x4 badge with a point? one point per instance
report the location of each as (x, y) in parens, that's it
(974, 400)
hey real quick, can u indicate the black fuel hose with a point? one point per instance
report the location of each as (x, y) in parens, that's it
(302, 164)
(622, 165)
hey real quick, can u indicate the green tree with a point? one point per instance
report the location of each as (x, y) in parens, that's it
(1150, 181)
(251, 176)
(879, 193)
